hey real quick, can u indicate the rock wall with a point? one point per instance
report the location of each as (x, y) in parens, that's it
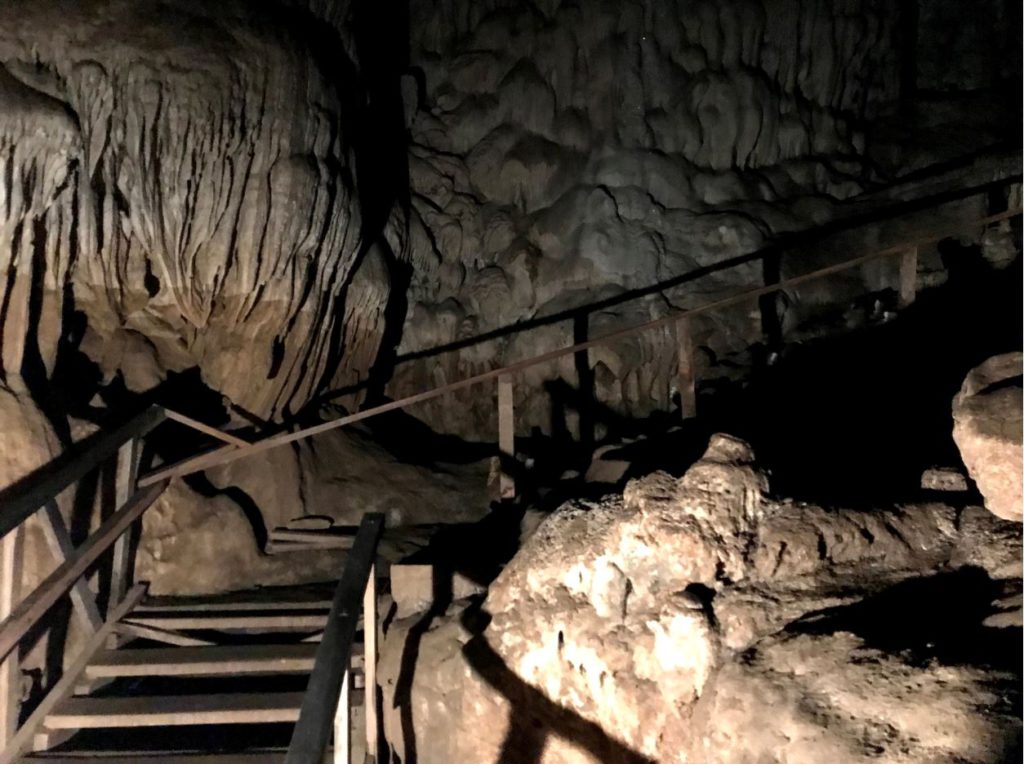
(698, 620)
(181, 174)
(563, 154)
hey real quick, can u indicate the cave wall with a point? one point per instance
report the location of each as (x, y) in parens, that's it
(181, 174)
(563, 153)
(962, 46)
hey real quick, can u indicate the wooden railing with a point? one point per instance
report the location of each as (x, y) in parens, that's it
(907, 252)
(37, 493)
(326, 704)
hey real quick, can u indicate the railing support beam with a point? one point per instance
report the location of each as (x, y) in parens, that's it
(11, 552)
(325, 696)
(506, 439)
(125, 477)
(908, 277)
(59, 541)
(687, 378)
(370, 664)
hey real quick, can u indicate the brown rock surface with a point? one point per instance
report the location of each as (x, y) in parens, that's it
(697, 620)
(987, 426)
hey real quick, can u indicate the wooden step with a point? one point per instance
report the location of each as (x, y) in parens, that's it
(209, 661)
(178, 710)
(158, 606)
(229, 621)
(175, 710)
(155, 757)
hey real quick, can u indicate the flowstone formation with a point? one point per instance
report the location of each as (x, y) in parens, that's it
(698, 620)
(564, 154)
(181, 174)
(179, 200)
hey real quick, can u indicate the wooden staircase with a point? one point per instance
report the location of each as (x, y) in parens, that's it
(211, 663)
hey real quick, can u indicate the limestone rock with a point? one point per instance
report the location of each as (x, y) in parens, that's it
(808, 698)
(670, 624)
(190, 160)
(943, 479)
(194, 545)
(610, 148)
(987, 427)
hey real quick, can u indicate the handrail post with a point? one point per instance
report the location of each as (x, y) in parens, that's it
(11, 551)
(325, 705)
(370, 664)
(506, 439)
(908, 277)
(342, 753)
(687, 377)
(126, 476)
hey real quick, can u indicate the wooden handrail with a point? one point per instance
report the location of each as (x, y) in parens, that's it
(206, 429)
(58, 583)
(312, 732)
(19, 500)
(227, 454)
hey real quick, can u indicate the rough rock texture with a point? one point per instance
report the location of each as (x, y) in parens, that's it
(180, 172)
(696, 620)
(563, 154)
(196, 546)
(988, 429)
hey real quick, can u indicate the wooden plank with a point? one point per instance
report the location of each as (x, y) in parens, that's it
(58, 540)
(11, 552)
(313, 730)
(161, 635)
(66, 684)
(125, 479)
(156, 757)
(230, 453)
(204, 661)
(687, 379)
(342, 752)
(506, 438)
(34, 606)
(276, 621)
(195, 424)
(370, 663)
(224, 607)
(21, 499)
(175, 710)
(343, 533)
(908, 277)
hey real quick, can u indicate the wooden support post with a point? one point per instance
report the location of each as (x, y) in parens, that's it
(908, 277)
(11, 549)
(126, 474)
(370, 664)
(687, 377)
(506, 438)
(66, 684)
(342, 744)
(59, 541)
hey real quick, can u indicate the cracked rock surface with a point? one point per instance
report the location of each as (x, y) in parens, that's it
(673, 622)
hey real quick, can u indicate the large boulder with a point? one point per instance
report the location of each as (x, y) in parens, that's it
(987, 427)
(627, 630)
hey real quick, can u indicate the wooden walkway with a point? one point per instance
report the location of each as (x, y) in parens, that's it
(268, 642)
(306, 655)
